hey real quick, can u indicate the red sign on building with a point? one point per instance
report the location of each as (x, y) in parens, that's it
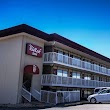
(33, 50)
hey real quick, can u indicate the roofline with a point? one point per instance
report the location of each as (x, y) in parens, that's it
(24, 28)
(65, 41)
(50, 37)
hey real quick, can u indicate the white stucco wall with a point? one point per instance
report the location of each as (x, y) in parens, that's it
(31, 60)
(10, 54)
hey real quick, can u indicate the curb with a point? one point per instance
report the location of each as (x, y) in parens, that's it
(26, 105)
(42, 106)
(72, 104)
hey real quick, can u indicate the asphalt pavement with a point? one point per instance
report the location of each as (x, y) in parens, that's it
(83, 107)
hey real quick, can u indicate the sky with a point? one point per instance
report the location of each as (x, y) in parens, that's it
(86, 22)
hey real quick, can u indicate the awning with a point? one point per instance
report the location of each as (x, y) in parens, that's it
(31, 69)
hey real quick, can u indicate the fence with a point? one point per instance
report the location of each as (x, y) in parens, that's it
(59, 96)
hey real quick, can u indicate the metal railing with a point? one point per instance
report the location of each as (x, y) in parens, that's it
(36, 94)
(48, 96)
(26, 94)
(59, 96)
(54, 80)
(68, 96)
(53, 57)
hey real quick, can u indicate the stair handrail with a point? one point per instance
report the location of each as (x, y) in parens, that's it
(36, 94)
(26, 94)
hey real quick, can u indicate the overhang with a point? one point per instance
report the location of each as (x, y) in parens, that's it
(31, 69)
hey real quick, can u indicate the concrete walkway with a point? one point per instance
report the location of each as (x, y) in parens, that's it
(40, 105)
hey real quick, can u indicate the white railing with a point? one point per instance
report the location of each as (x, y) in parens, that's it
(26, 94)
(36, 94)
(48, 97)
(54, 80)
(68, 96)
(53, 57)
(86, 65)
(108, 71)
(59, 96)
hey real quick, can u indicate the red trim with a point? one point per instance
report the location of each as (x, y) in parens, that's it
(31, 69)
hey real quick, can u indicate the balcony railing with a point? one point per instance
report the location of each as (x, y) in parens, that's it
(54, 80)
(53, 57)
(59, 96)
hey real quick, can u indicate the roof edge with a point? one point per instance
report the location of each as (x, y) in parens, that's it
(72, 44)
(24, 28)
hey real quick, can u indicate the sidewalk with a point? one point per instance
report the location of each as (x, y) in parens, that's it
(73, 104)
(40, 105)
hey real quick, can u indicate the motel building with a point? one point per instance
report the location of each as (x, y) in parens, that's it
(47, 68)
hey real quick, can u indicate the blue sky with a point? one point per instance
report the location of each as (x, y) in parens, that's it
(86, 22)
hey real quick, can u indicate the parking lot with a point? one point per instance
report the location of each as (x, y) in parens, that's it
(83, 107)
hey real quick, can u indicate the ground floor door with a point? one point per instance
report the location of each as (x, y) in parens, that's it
(27, 81)
(84, 93)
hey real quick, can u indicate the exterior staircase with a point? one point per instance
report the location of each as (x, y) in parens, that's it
(30, 95)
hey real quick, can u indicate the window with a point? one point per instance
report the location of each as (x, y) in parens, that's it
(100, 78)
(59, 72)
(104, 79)
(108, 91)
(86, 93)
(87, 77)
(76, 75)
(55, 71)
(103, 92)
(96, 90)
(96, 78)
(63, 73)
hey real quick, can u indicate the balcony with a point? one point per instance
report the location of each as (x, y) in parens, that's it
(54, 80)
(53, 57)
